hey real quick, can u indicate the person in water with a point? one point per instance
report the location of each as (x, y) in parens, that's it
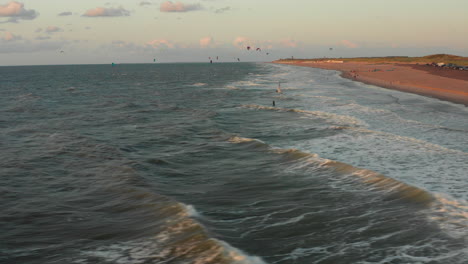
(273, 103)
(278, 90)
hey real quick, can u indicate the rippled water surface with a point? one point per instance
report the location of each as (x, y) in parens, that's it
(193, 163)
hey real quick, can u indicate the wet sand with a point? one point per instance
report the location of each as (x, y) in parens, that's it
(445, 84)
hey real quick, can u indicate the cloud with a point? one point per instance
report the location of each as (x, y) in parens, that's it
(348, 44)
(9, 37)
(222, 10)
(288, 43)
(160, 43)
(119, 43)
(65, 14)
(28, 47)
(15, 11)
(242, 42)
(206, 42)
(53, 29)
(106, 12)
(143, 3)
(42, 37)
(169, 6)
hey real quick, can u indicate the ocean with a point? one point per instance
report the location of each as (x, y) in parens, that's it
(207, 163)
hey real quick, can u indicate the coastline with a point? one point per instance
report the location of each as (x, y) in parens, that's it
(444, 84)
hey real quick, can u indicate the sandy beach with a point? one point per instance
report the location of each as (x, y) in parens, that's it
(445, 84)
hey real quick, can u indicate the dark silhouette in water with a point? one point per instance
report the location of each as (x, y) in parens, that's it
(274, 103)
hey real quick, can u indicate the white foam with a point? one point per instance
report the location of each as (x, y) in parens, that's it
(329, 117)
(247, 83)
(237, 139)
(199, 84)
(191, 211)
(238, 256)
(451, 215)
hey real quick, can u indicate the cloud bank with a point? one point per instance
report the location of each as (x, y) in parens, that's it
(9, 37)
(106, 12)
(348, 44)
(242, 42)
(222, 10)
(53, 29)
(15, 11)
(160, 43)
(289, 43)
(24, 46)
(169, 6)
(206, 42)
(65, 14)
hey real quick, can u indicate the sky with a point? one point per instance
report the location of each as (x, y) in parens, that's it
(43, 32)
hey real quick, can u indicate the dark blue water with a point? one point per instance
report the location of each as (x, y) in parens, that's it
(192, 163)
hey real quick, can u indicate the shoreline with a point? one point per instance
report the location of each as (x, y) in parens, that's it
(444, 84)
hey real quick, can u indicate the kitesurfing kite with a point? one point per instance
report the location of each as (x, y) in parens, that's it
(258, 49)
(248, 47)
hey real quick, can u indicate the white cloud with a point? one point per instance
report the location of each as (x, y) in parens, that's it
(288, 43)
(106, 12)
(242, 42)
(42, 37)
(222, 10)
(53, 29)
(169, 6)
(15, 11)
(348, 44)
(9, 37)
(27, 47)
(160, 43)
(206, 42)
(65, 14)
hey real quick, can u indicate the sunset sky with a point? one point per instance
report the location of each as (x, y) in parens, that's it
(138, 31)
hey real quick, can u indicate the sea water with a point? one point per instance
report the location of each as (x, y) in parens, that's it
(192, 163)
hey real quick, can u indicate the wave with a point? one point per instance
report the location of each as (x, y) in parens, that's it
(329, 117)
(449, 214)
(394, 137)
(390, 114)
(181, 239)
(199, 84)
(247, 83)
(394, 187)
